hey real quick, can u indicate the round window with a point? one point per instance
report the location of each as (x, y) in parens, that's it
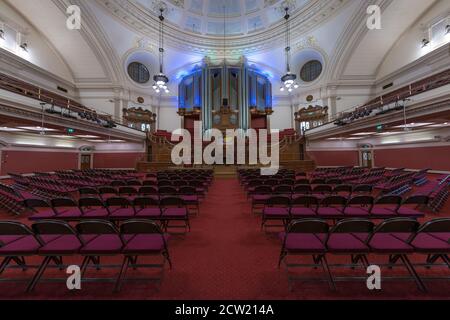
(138, 72)
(311, 71)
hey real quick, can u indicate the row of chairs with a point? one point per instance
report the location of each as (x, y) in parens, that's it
(91, 240)
(189, 193)
(282, 208)
(116, 209)
(396, 238)
(319, 191)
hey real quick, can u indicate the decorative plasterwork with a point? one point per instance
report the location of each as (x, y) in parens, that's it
(140, 19)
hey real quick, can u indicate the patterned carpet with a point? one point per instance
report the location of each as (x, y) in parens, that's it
(226, 256)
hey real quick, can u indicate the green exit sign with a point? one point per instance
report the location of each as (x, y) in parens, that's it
(70, 130)
(380, 127)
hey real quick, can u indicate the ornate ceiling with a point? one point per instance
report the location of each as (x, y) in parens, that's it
(198, 25)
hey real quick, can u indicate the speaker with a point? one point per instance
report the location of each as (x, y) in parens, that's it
(225, 102)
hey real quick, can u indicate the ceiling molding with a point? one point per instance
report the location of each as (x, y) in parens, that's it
(141, 20)
(97, 41)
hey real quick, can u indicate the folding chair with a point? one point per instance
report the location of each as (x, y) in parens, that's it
(359, 207)
(303, 238)
(66, 209)
(409, 208)
(57, 239)
(391, 238)
(276, 208)
(120, 208)
(93, 208)
(304, 207)
(142, 238)
(174, 209)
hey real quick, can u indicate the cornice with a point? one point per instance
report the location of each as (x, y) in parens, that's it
(137, 18)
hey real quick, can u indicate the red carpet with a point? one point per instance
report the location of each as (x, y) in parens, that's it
(227, 256)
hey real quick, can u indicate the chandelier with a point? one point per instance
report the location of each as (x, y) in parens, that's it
(289, 82)
(161, 80)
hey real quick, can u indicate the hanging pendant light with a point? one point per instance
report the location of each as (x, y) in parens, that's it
(289, 80)
(161, 80)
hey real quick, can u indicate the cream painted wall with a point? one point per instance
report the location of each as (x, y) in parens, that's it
(408, 48)
(281, 118)
(40, 52)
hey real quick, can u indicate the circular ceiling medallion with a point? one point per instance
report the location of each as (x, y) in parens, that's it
(140, 100)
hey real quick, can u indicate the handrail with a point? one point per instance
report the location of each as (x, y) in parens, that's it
(34, 92)
(415, 88)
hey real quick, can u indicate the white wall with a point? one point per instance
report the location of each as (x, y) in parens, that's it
(40, 53)
(409, 48)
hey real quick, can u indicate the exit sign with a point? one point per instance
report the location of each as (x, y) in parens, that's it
(70, 130)
(380, 127)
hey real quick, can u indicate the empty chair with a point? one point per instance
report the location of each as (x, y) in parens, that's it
(343, 190)
(306, 237)
(128, 192)
(433, 239)
(164, 183)
(332, 207)
(259, 196)
(391, 238)
(276, 208)
(359, 207)
(302, 189)
(107, 192)
(386, 207)
(271, 182)
(149, 183)
(118, 183)
(304, 207)
(135, 183)
(66, 208)
(334, 181)
(362, 189)
(167, 191)
(285, 190)
(287, 182)
(149, 191)
(99, 238)
(301, 181)
(318, 181)
(57, 239)
(119, 208)
(88, 192)
(190, 197)
(16, 242)
(410, 206)
(142, 238)
(174, 209)
(41, 208)
(350, 236)
(321, 191)
(147, 208)
(93, 208)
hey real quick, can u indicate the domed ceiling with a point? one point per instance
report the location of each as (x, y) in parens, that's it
(198, 25)
(206, 16)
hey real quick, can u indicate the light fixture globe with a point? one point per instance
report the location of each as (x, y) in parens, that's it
(161, 80)
(289, 79)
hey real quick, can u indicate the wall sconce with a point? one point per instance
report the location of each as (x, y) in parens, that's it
(425, 42)
(447, 29)
(24, 46)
